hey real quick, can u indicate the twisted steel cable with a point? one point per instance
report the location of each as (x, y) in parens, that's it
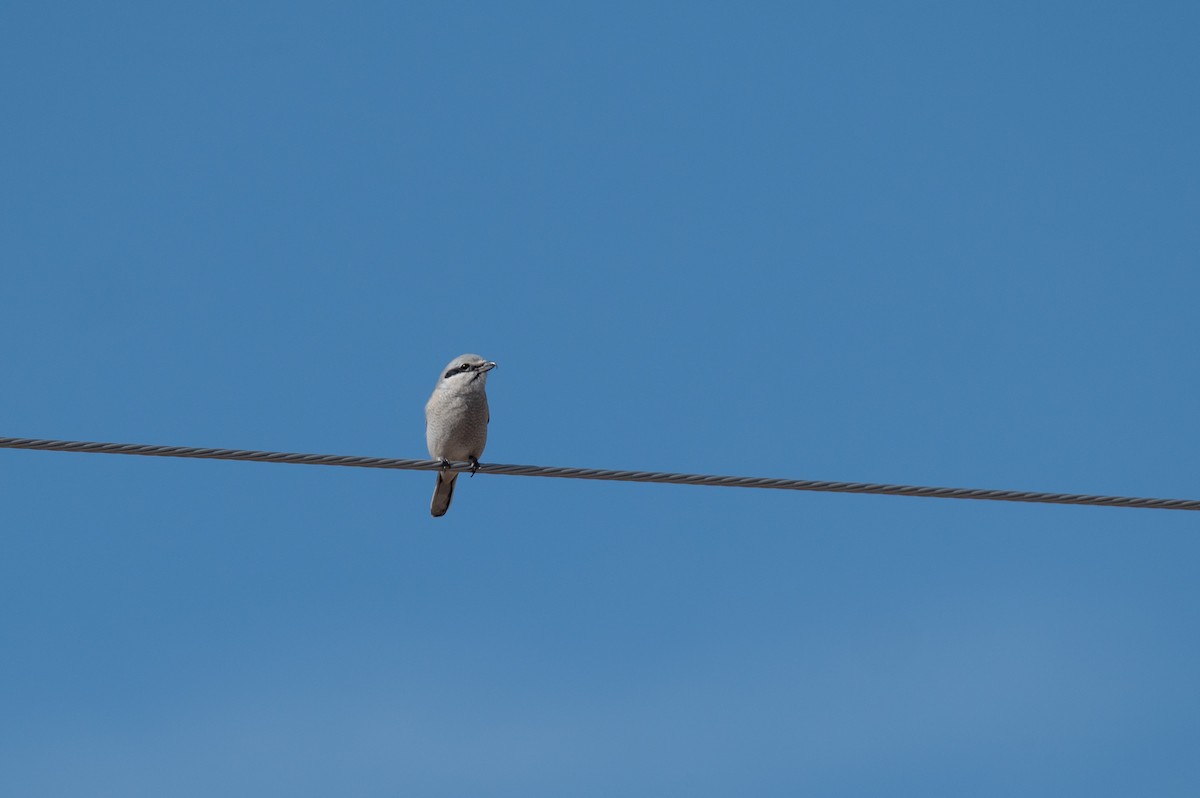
(147, 450)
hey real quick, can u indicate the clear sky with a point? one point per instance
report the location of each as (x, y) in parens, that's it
(929, 243)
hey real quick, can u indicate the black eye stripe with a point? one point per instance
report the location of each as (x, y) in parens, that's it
(463, 369)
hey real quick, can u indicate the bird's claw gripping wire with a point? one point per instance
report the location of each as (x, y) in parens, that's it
(474, 461)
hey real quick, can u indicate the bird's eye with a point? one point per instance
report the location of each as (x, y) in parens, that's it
(465, 367)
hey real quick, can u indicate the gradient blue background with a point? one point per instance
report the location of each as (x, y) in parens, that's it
(931, 243)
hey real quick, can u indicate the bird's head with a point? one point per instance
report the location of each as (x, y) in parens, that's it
(466, 370)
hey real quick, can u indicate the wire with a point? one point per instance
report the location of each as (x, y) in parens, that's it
(599, 473)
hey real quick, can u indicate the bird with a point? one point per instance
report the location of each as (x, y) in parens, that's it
(456, 422)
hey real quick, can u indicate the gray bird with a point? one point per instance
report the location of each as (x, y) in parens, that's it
(456, 421)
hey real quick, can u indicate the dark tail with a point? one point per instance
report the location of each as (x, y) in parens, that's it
(443, 493)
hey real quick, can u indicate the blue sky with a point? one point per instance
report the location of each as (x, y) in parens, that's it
(929, 243)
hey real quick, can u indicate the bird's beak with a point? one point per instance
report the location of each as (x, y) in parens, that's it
(488, 366)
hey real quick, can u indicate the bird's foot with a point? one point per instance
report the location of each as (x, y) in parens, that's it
(474, 464)
(445, 464)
